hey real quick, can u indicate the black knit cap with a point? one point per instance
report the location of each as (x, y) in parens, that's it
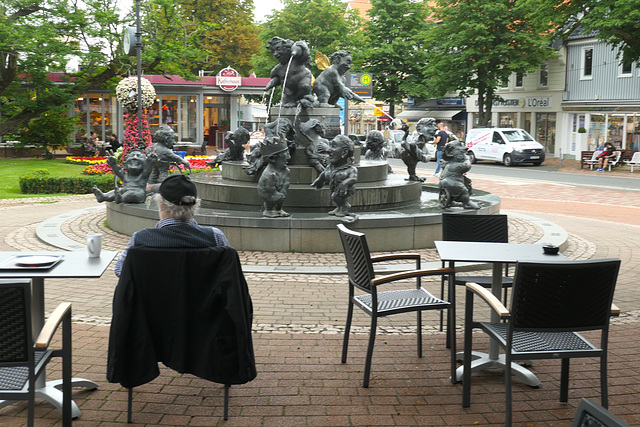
(175, 187)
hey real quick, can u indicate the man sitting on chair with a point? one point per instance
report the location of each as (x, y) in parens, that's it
(177, 202)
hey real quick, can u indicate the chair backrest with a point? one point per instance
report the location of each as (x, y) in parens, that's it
(596, 154)
(475, 228)
(358, 257)
(636, 157)
(590, 414)
(15, 321)
(572, 295)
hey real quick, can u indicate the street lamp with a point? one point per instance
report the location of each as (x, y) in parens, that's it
(133, 44)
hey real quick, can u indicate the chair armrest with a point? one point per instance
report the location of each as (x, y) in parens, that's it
(411, 274)
(393, 257)
(50, 327)
(489, 298)
(615, 311)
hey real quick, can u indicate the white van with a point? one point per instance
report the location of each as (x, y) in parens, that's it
(504, 145)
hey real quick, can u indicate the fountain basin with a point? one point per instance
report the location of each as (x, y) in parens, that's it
(403, 228)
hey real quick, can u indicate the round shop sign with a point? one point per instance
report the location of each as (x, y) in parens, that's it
(229, 79)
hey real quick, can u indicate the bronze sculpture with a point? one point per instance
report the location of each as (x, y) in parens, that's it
(317, 150)
(279, 129)
(341, 175)
(162, 148)
(235, 147)
(455, 187)
(414, 151)
(274, 181)
(329, 86)
(293, 72)
(134, 175)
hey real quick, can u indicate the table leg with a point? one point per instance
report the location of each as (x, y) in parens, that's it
(494, 359)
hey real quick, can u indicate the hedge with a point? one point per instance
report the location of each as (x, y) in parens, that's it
(41, 182)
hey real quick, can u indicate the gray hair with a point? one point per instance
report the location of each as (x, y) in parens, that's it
(181, 213)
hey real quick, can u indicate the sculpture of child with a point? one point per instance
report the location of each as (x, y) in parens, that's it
(413, 152)
(293, 71)
(329, 86)
(162, 149)
(341, 175)
(235, 147)
(317, 150)
(134, 176)
(274, 181)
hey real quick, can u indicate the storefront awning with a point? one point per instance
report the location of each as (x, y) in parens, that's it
(415, 115)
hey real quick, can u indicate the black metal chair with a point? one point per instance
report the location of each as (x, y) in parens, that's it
(476, 228)
(590, 414)
(380, 304)
(22, 360)
(550, 304)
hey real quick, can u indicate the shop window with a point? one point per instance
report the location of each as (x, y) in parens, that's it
(546, 131)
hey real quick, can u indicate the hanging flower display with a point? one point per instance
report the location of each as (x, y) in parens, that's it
(127, 93)
(131, 133)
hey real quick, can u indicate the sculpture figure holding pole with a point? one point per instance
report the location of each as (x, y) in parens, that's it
(413, 151)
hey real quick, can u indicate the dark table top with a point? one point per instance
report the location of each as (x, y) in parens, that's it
(493, 252)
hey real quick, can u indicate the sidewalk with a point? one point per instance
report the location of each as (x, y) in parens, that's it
(297, 337)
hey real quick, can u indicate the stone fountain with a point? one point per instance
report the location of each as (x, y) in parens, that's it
(395, 213)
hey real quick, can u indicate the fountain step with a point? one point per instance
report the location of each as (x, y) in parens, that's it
(368, 171)
(395, 191)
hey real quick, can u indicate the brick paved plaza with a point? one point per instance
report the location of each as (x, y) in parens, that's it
(298, 323)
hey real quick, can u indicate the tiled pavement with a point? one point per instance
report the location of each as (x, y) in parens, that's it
(298, 320)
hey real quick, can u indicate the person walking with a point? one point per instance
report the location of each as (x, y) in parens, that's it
(442, 137)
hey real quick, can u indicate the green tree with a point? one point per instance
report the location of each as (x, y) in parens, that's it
(38, 37)
(50, 130)
(474, 46)
(394, 51)
(616, 21)
(225, 31)
(323, 24)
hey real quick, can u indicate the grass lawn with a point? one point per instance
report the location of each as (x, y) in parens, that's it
(11, 169)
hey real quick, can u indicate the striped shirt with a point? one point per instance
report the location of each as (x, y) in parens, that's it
(189, 235)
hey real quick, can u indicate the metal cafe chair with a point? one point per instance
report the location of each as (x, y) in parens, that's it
(380, 304)
(550, 304)
(476, 228)
(22, 360)
(590, 414)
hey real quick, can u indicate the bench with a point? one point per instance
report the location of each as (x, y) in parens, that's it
(635, 160)
(589, 158)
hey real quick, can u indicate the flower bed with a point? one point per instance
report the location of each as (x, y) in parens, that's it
(197, 165)
(82, 160)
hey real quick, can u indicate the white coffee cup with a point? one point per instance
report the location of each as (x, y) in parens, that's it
(94, 244)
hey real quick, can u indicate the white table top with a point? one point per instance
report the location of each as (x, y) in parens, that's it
(75, 264)
(493, 252)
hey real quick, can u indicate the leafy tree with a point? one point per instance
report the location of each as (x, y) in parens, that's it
(225, 30)
(474, 46)
(616, 21)
(394, 51)
(52, 129)
(38, 37)
(321, 23)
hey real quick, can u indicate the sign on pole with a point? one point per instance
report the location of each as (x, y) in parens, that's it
(360, 84)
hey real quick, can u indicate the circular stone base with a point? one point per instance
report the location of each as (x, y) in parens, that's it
(404, 228)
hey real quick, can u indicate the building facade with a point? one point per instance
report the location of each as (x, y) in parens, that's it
(198, 111)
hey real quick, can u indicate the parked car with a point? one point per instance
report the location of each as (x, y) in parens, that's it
(255, 139)
(504, 145)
